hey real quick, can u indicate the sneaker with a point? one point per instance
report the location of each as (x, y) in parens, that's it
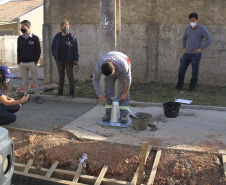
(71, 95)
(59, 93)
(38, 100)
(106, 117)
(123, 119)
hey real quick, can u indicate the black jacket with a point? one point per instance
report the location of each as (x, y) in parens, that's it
(72, 48)
(28, 50)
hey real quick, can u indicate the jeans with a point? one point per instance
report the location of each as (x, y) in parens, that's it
(61, 66)
(6, 113)
(185, 60)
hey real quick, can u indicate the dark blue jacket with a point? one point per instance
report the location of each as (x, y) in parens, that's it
(72, 48)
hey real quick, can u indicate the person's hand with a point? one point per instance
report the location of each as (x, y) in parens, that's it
(123, 97)
(102, 98)
(198, 50)
(76, 63)
(24, 99)
(185, 50)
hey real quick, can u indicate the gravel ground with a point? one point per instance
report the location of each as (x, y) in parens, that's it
(49, 114)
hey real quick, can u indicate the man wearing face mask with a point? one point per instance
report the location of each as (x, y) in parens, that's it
(28, 54)
(192, 45)
(65, 52)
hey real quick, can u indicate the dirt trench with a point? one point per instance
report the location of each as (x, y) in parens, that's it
(174, 167)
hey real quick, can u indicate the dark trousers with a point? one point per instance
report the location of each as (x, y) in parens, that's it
(185, 60)
(6, 113)
(61, 66)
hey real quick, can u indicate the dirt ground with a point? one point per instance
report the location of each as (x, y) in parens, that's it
(122, 160)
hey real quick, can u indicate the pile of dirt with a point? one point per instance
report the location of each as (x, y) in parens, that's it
(189, 168)
(122, 160)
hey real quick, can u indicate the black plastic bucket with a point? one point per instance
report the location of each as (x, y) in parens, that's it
(171, 109)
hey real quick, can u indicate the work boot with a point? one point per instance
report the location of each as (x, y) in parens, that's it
(71, 95)
(123, 119)
(38, 100)
(106, 117)
(59, 93)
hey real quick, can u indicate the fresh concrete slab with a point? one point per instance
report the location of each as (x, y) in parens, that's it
(193, 129)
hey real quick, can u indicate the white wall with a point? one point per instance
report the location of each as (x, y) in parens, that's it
(36, 19)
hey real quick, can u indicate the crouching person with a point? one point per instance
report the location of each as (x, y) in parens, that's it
(114, 65)
(8, 106)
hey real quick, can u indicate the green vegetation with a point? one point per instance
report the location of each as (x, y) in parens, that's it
(160, 93)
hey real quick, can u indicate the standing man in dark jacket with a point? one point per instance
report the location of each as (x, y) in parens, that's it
(65, 52)
(192, 45)
(28, 54)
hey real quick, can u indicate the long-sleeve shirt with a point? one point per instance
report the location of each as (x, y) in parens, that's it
(28, 48)
(192, 38)
(122, 66)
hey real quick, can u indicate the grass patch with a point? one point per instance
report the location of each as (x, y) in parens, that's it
(159, 93)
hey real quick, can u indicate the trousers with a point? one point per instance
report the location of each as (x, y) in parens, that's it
(110, 91)
(25, 67)
(61, 66)
(185, 60)
(7, 113)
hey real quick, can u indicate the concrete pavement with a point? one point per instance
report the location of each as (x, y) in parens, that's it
(193, 129)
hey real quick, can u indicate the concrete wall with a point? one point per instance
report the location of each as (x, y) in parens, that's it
(151, 35)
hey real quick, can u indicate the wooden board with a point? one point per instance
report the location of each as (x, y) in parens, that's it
(135, 175)
(46, 178)
(140, 174)
(101, 175)
(28, 166)
(154, 168)
(58, 173)
(53, 167)
(78, 172)
(224, 164)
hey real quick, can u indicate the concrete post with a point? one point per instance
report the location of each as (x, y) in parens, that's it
(110, 27)
(107, 30)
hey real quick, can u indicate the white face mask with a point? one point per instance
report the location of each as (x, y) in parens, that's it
(7, 80)
(193, 24)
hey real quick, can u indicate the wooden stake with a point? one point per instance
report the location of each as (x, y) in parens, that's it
(27, 168)
(101, 175)
(135, 175)
(53, 167)
(154, 168)
(140, 175)
(78, 172)
(224, 164)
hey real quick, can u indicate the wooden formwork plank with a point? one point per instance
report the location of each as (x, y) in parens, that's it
(28, 166)
(47, 179)
(154, 168)
(224, 164)
(147, 154)
(101, 175)
(53, 167)
(78, 172)
(140, 174)
(86, 178)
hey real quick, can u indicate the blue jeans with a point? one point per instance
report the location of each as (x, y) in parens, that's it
(185, 60)
(6, 113)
